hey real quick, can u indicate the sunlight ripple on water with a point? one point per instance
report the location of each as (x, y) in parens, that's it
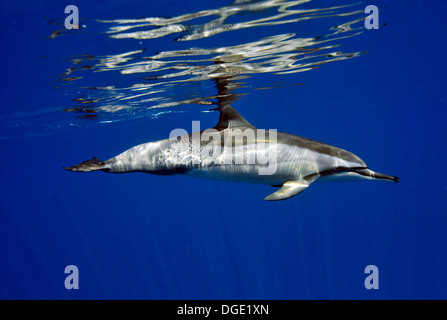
(171, 78)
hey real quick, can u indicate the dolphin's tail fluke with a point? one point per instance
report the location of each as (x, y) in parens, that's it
(93, 164)
(376, 175)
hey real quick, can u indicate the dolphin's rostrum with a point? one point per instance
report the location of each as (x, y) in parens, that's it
(224, 153)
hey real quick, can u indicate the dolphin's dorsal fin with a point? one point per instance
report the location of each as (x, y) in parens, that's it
(290, 189)
(230, 118)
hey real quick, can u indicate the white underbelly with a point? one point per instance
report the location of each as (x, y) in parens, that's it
(239, 173)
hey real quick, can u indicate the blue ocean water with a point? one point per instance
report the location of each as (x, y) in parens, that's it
(124, 79)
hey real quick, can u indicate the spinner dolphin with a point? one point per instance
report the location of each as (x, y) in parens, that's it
(232, 151)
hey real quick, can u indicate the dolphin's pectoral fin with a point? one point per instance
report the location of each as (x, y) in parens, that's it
(289, 189)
